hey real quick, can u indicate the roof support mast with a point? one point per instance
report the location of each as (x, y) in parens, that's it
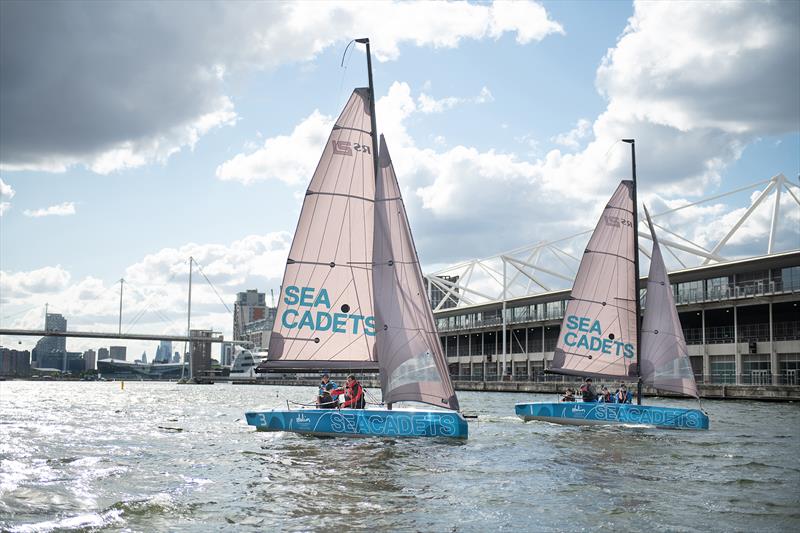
(637, 294)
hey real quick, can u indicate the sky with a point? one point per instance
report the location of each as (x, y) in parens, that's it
(136, 134)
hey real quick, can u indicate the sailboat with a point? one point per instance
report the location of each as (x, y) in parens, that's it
(600, 335)
(353, 298)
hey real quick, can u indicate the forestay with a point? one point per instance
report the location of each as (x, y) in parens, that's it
(412, 364)
(325, 316)
(598, 334)
(665, 359)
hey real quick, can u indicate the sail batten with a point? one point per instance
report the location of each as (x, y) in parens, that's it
(598, 334)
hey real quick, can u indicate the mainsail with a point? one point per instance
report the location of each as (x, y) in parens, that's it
(598, 334)
(325, 316)
(664, 360)
(412, 364)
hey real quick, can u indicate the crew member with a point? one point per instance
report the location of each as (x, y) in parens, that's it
(324, 398)
(353, 394)
(588, 392)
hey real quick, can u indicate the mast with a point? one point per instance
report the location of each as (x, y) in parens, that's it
(365, 40)
(632, 142)
(189, 323)
(120, 305)
(373, 121)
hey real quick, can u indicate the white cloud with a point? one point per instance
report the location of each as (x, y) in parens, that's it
(42, 280)
(157, 83)
(62, 209)
(155, 290)
(465, 202)
(6, 192)
(285, 157)
(428, 104)
(573, 138)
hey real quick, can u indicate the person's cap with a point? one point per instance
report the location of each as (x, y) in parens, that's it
(588, 379)
(324, 375)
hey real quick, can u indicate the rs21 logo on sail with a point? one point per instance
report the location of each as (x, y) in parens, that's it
(347, 148)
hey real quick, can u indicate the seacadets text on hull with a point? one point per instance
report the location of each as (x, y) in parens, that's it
(362, 422)
(593, 413)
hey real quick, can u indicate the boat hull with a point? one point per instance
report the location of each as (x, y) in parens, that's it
(362, 422)
(590, 413)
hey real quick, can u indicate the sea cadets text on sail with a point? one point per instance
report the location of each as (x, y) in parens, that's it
(583, 332)
(309, 309)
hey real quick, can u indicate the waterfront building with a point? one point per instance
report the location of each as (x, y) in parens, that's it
(144, 358)
(176, 358)
(164, 352)
(90, 359)
(250, 306)
(50, 345)
(741, 321)
(118, 352)
(258, 332)
(15, 363)
(62, 361)
(226, 351)
(102, 353)
(200, 352)
(114, 369)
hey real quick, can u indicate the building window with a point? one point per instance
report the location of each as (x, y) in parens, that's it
(789, 369)
(756, 369)
(723, 369)
(718, 288)
(689, 291)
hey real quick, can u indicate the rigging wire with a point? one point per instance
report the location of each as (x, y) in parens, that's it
(211, 285)
(343, 66)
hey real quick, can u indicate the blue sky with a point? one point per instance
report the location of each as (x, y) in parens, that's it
(501, 119)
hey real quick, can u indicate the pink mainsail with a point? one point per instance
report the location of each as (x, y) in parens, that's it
(325, 316)
(664, 359)
(412, 364)
(598, 334)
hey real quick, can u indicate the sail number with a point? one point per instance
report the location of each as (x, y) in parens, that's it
(347, 148)
(617, 221)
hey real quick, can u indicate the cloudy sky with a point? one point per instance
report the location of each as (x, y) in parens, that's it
(136, 134)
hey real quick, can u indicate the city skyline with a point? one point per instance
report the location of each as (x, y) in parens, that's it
(503, 130)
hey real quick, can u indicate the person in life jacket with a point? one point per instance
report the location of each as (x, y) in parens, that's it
(324, 398)
(353, 394)
(622, 395)
(588, 392)
(569, 396)
(605, 395)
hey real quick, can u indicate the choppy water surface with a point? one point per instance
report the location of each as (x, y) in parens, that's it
(159, 456)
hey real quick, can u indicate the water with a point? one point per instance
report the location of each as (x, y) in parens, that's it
(158, 456)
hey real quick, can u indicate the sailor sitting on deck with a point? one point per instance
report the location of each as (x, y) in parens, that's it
(324, 398)
(353, 394)
(605, 395)
(569, 395)
(588, 391)
(622, 395)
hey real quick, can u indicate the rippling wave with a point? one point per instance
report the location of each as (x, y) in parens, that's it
(165, 457)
